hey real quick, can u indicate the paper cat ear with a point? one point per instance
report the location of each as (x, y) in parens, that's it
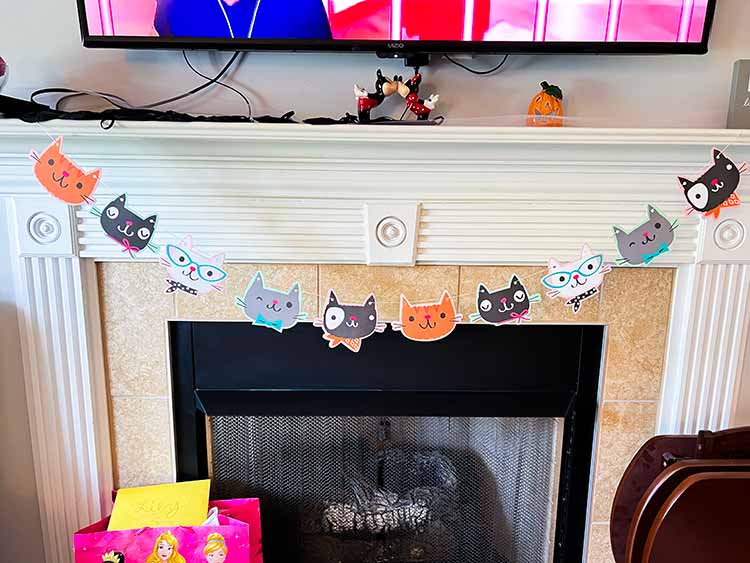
(95, 174)
(123, 198)
(515, 281)
(58, 143)
(187, 242)
(257, 281)
(586, 250)
(151, 219)
(217, 259)
(553, 264)
(684, 182)
(332, 298)
(618, 231)
(405, 302)
(370, 301)
(446, 298)
(718, 155)
(654, 213)
(294, 290)
(482, 289)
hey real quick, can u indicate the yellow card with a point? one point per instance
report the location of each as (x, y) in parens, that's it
(176, 504)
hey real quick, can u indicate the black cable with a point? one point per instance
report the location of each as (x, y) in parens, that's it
(479, 72)
(115, 100)
(220, 83)
(197, 89)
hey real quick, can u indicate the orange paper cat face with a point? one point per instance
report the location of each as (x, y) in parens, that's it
(62, 178)
(428, 322)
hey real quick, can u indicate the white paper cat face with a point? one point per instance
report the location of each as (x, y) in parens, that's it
(191, 272)
(578, 280)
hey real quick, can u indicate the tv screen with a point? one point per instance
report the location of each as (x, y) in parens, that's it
(408, 26)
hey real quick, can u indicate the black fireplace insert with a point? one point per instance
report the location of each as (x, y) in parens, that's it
(458, 451)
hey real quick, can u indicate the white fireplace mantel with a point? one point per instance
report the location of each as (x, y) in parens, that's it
(293, 194)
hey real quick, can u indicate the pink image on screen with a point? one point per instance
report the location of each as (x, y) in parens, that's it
(121, 17)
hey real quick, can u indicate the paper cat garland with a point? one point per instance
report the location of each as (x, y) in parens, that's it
(126, 227)
(578, 280)
(191, 272)
(715, 188)
(510, 304)
(62, 178)
(429, 321)
(349, 324)
(647, 241)
(271, 308)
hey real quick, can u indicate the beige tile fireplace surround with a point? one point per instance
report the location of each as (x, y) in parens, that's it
(302, 204)
(634, 305)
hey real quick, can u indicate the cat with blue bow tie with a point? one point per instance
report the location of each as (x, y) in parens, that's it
(270, 308)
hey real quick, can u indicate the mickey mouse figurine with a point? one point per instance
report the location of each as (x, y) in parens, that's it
(366, 102)
(409, 90)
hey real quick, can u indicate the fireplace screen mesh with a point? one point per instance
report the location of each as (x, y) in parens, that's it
(396, 489)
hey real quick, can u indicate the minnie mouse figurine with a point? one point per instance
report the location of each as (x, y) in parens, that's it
(409, 90)
(366, 102)
(3, 71)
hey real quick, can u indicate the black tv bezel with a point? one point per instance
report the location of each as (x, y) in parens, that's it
(392, 49)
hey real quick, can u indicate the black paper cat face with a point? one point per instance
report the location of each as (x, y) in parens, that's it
(715, 186)
(350, 321)
(126, 227)
(504, 305)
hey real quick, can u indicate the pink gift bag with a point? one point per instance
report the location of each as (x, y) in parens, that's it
(237, 539)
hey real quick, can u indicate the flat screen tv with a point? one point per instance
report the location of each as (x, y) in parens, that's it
(393, 27)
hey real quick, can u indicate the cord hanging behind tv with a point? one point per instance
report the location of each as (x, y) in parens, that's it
(395, 27)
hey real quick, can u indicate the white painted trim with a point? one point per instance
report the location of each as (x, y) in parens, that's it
(57, 303)
(295, 194)
(286, 193)
(706, 349)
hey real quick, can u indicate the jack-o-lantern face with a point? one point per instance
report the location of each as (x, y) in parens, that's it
(546, 109)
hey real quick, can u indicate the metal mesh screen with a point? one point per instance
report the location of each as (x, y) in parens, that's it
(398, 490)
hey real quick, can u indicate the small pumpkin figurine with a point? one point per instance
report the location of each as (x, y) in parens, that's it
(546, 109)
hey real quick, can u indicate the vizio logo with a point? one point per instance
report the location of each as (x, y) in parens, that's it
(395, 45)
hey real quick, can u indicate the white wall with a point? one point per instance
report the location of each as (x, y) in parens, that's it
(40, 41)
(20, 527)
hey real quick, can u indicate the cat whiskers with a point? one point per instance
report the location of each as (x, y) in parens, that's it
(87, 199)
(318, 322)
(688, 211)
(475, 317)
(33, 155)
(743, 168)
(301, 317)
(153, 247)
(380, 326)
(397, 326)
(95, 211)
(535, 298)
(675, 224)
(239, 302)
(553, 293)
(219, 288)
(622, 261)
(458, 318)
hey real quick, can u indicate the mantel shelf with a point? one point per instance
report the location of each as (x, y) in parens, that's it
(297, 193)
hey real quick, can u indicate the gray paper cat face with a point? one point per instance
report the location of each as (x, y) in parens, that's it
(647, 241)
(269, 307)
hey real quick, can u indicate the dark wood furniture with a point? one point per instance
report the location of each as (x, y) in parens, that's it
(694, 487)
